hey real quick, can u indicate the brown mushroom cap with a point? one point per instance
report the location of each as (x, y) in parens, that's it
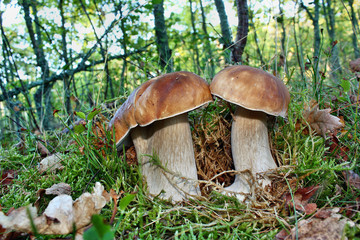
(160, 98)
(251, 88)
(170, 95)
(124, 119)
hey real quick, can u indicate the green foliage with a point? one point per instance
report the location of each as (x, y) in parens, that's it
(99, 230)
(95, 158)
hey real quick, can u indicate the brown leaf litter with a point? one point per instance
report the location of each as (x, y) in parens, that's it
(61, 215)
(320, 121)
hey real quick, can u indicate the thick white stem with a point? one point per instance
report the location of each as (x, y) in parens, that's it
(250, 146)
(171, 140)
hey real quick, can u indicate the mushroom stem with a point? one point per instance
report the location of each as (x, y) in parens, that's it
(171, 140)
(250, 146)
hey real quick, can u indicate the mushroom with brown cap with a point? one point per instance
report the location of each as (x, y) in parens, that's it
(155, 114)
(255, 93)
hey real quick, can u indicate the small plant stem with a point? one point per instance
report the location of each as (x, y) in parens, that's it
(295, 214)
(356, 114)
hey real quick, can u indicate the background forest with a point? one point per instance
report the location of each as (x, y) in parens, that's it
(88, 56)
(76, 55)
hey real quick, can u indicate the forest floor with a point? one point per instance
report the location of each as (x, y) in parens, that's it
(314, 192)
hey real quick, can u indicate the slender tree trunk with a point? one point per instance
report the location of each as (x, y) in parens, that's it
(315, 20)
(258, 50)
(242, 30)
(162, 38)
(66, 80)
(42, 95)
(299, 54)
(197, 66)
(329, 16)
(7, 54)
(225, 29)
(355, 28)
(281, 20)
(208, 56)
(103, 53)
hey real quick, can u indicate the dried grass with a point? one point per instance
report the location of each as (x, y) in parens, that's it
(213, 150)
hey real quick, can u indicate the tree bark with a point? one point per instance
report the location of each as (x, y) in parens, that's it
(242, 30)
(258, 50)
(314, 17)
(14, 71)
(208, 50)
(283, 55)
(355, 28)
(161, 36)
(42, 95)
(329, 16)
(197, 66)
(103, 53)
(225, 30)
(64, 55)
(299, 54)
(124, 46)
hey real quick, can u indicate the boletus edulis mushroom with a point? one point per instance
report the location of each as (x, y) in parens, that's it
(155, 114)
(255, 93)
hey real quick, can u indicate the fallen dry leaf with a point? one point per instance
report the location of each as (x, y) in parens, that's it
(330, 228)
(355, 65)
(131, 158)
(61, 214)
(301, 199)
(58, 189)
(321, 121)
(42, 149)
(7, 177)
(338, 149)
(51, 163)
(352, 179)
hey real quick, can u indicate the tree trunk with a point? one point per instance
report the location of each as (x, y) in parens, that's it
(7, 54)
(299, 55)
(283, 55)
(162, 38)
(258, 50)
(225, 30)
(242, 30)
(66, 81)
(355, 28)
(315, 20)
(197, 66)
(330, 26)
(42, 95)
(208, 51)
(103, 53)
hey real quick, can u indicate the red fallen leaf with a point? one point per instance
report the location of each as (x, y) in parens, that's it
(310, 208)
(7, 177)
(301, 198)
(307, 192)
(281, 235)
(338, 149)
(323, 214)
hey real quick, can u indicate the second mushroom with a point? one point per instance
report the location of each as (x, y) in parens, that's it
(255, 93)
